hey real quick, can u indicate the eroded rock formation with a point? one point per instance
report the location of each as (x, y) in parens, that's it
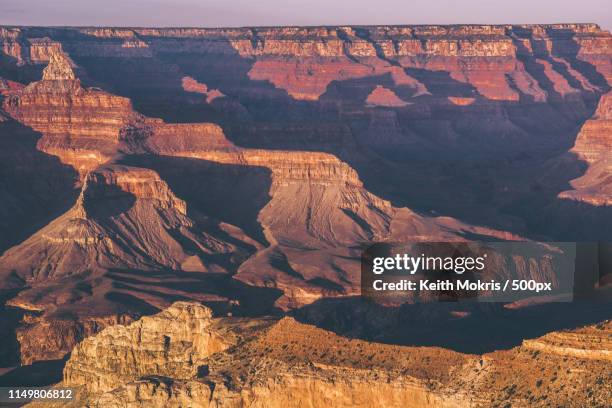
(169, 344)
(318, 209)
(124, 218)
(80, 126)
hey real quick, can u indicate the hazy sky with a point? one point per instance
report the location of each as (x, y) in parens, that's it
(215, 13)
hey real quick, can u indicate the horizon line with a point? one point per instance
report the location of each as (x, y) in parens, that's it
(306, 25)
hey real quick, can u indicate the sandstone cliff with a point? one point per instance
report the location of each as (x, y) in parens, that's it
(169, 344)
(80, 126)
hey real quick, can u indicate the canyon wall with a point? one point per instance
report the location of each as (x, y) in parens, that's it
(593, 146)
(81, 126)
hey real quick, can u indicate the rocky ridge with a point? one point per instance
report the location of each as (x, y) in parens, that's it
(292, 364)
(171, 343)
(317, 204)
(125, 219)
(318, 208)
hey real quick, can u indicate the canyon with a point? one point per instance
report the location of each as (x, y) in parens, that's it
(247, 168)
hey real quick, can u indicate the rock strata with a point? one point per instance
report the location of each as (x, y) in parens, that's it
(81, 126)
(124, 218)
(593, 145)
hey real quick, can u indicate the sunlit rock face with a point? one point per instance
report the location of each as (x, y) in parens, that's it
(125, 220)
(317, 209)
(169, 344)
(80, 126)
(510, 75)
(124, 217)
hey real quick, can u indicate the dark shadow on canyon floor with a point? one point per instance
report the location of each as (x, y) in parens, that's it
(10, 319)
(227, 295)
(230, 193)
(465, 327)
(38, 374)
(35, 187)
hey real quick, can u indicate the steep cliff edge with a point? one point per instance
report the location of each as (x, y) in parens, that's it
(593, 146)
(304, 61)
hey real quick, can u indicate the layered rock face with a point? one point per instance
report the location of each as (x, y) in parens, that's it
(304, 61)
(318, 209)
(291, 364)
(593, 145)
(509, 75)
(588, 343)
(80, 126)
(593, 142)
(492, 102)
(169, 344)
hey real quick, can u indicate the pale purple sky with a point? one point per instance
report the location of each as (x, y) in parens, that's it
(225, 13)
